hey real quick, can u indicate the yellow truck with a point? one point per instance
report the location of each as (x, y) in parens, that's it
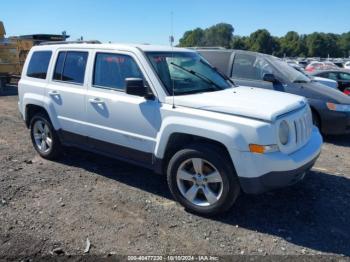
(13, 52)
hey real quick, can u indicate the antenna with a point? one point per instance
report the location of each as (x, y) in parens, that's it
(171, 40)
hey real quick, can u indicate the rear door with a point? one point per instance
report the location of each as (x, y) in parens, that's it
(67, 91)
(34, 79)
(248, 70)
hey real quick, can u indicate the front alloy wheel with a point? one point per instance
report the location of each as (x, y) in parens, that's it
(199, 182)
(201, 178)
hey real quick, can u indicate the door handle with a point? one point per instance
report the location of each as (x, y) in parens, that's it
(54, 93)
(96, 101)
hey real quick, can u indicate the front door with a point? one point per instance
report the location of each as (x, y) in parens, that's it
(120, 124)
(248, 70)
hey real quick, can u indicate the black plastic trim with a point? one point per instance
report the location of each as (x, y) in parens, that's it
(133, 156)
(275, 179)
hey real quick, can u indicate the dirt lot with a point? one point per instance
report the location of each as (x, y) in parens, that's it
(123, 209)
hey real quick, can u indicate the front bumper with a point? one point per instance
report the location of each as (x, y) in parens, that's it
(275, 179)
(269, 171)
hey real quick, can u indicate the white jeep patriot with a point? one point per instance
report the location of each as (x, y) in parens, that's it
(169, 110)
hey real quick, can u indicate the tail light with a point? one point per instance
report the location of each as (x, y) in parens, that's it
(347, 92)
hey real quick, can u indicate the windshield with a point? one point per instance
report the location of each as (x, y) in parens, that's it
(187, 72)
(289, 72)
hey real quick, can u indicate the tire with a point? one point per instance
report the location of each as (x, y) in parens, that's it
(214, 161)
(51, 150)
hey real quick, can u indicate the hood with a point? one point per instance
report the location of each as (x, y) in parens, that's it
(243, 101)
(319, 91)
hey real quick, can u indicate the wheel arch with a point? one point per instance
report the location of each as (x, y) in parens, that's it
(179, 140)
(317, 114)
(31, 110)
(33, 103)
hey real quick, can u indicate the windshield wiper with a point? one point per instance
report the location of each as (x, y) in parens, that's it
(200, 76)
(300, 81)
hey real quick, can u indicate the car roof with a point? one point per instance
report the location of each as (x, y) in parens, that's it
(222, 58)
(330, 71)
(229, 51)
(113, 46)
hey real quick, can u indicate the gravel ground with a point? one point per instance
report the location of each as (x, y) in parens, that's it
(54, 207)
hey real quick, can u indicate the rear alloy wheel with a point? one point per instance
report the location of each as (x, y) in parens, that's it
(44, 137)
(202, 179)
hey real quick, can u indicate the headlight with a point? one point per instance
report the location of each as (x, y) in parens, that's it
(283, 132)
(338, 107)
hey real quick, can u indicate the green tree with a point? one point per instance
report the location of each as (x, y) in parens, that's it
(219, 35)
(344, 44)
(322, 45)
(292, 44)
(262, 41)
(332, 45)
(241, 43)
(192, 38)
(302, 46)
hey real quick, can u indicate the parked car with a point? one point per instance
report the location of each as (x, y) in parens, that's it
(330, 108)
(168, 110)
(341, 76)
(303, 63)
(314, 66)
(347, 65)
(325, 81)
(339, 64)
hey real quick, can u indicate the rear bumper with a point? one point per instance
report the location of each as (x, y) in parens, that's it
(263, 172)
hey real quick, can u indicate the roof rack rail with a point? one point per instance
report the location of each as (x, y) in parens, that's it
(208, 47)
(70, 42)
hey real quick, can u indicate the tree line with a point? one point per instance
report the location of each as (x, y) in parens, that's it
(291, 45)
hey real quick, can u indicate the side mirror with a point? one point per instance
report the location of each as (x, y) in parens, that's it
(269, 78)
(137, 87)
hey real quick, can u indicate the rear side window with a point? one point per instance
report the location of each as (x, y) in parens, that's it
(39, 63)
(330, 75)
(111, 70)
(70, 66)
(344, 76)
(248, 66)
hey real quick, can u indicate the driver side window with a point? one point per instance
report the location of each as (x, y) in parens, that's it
(111, 70)
(250, 67)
